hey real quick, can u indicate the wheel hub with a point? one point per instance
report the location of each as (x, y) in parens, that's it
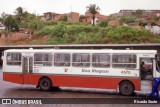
(45, 84)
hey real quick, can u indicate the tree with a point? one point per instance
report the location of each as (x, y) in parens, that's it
(3, 17)
(11, 26)
(20, 14)
(93, 9)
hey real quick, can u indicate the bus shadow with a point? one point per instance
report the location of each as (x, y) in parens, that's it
(103, 92)
(31, 90)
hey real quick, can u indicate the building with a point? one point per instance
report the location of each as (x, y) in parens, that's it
(116, 15)
(148, 14)
(56, 16)
(51, 16)
(98, 18)
(114, 23)
(42, 18)
(47, 16)
(73, 17)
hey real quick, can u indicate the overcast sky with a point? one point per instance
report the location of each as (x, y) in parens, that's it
(65, 6)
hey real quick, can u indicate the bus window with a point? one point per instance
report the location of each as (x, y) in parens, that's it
(81, 60)
(124, 61)
(158, 62)
(100, 60)
(146, 65)
(146, 68)
(14, 58)
(158, 66)
(43, 59)
(62, 59)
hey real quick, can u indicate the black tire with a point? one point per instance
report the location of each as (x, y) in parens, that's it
(126, 88)
(45, 84)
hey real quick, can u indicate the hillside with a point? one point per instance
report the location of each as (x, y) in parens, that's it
(75, 33)
(22, 39)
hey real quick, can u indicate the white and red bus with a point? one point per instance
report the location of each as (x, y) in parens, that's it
(104, 69)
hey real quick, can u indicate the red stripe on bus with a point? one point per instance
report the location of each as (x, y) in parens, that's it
(71, 81)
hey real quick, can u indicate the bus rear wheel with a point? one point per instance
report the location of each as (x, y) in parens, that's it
(126, 88)
(45, 84)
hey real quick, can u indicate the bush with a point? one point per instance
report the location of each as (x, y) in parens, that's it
(59, 30)
(124, 34)
(45, 31)
(103, 23)
(79, 34)
(127, 19)
(63, 18)
(50, 23)
(35, 24)
(75, 29)
(143, 23)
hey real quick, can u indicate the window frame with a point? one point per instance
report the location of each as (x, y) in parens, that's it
(13, 61)
(124, 63)
(42, 62)
(64, 63)
(80, 63)
(101, 63)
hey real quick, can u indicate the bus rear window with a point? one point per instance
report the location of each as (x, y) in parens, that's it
(14, 58)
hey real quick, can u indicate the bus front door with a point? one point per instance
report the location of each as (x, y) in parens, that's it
(27, 69)
(146, 74)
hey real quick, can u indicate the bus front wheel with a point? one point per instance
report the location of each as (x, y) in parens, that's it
(45, 84)
(126, 88)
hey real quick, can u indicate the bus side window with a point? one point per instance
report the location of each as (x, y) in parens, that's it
(124, 61)
(62, 59)
(81, 60)
(43, 59)
(14, 58)
(101, 60)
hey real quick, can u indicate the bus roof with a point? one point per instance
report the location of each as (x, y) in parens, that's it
(82, 51)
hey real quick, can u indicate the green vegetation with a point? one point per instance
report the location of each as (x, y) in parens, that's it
(11, 24)
(63, 32)
(125, 34)
(157, 18)
(80, 34)
(103, 23)
(63, 18)
(128, 19)
(142, 23)
(45, 31)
